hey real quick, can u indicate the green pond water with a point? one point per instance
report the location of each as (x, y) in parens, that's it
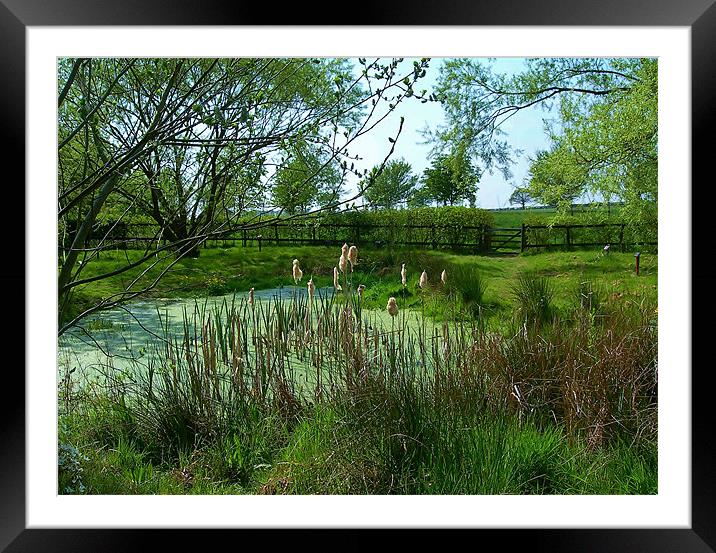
(129, 338)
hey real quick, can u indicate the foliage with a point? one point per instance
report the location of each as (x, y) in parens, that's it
(468, 282)
(604, 141)
(70, 469)
(307, 180)
(193, 144)
(521, 196)
(533, 295)
(450, 180)
(390, 187)
(565, 407)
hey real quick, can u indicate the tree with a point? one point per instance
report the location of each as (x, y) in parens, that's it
(191, 147)
(391, 186)
(450, 180)
(553, 182)
(520, 195)
(606, 130)
(305, 181)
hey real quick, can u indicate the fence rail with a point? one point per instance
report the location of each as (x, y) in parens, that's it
(475, 239)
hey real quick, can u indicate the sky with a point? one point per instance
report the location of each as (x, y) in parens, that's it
(524, 131)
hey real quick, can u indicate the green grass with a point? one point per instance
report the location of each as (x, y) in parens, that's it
(342, 448)
(513, 218)
(237, 269)
(459, 431)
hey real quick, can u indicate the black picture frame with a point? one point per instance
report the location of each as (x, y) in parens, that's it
(699, 15)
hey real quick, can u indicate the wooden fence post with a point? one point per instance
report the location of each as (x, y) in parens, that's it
(275, 232)
(523, 241)
(244, 237)
(569, 241)
(621, 238)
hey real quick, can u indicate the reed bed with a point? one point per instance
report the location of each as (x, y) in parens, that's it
(314, 394)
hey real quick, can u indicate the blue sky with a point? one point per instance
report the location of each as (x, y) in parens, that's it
(524, 131)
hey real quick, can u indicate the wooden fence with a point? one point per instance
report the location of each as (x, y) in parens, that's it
(472, 239)
(618, 235)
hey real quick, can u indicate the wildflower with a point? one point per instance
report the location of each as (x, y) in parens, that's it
(297, 272)
(392, 307)
(360, 290)
(337, 286)
(311, 289)
(353, 256)
(251, 296)
(443, 276)
(403, 275)
(342, 263)
(423, 280)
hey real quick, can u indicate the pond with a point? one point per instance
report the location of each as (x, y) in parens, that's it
(129, 337)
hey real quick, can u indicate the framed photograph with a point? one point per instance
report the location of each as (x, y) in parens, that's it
(659, 499)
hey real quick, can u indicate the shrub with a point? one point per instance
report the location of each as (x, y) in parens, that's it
(534, 297)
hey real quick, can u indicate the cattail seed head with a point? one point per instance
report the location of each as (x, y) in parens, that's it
(361, 288)
(344, 250)
(353, 256)
(336, 285)
(311, 289)
(251, 296)
(297, 272)
(423, 280)
(403, 275)
(342, 262)
(443, 276)
(392, 307)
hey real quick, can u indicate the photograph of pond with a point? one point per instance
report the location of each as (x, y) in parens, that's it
(342, 276)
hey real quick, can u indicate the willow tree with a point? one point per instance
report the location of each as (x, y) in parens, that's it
(189, 147)
(603, 136)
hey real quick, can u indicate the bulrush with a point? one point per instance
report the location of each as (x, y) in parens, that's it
(297, 272)
(403, 275)
(443, 277)
(392, 307)
(353, 256)
(360, 290)
(344, 250)
(423, 280)
(251, 296)
(342, 263)
(337, 286)
(311, 289)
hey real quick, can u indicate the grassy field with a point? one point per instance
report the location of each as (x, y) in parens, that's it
(237, 269)
(544, 382)
(512, 218)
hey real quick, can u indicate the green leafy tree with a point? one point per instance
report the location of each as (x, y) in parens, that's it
(450, 180)
(554, 180)
(305, 181)
(605, 132)
(390, 187)
(520, 196)
(192, 147)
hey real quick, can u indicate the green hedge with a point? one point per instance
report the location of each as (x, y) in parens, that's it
(633, 234)
(441, 226)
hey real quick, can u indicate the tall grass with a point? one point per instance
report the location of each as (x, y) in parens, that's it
(533, 295)
(467, 282)
(286, 397)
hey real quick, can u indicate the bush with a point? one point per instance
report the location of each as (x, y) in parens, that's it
(467, 281)
(534, 297)
(443, 226)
